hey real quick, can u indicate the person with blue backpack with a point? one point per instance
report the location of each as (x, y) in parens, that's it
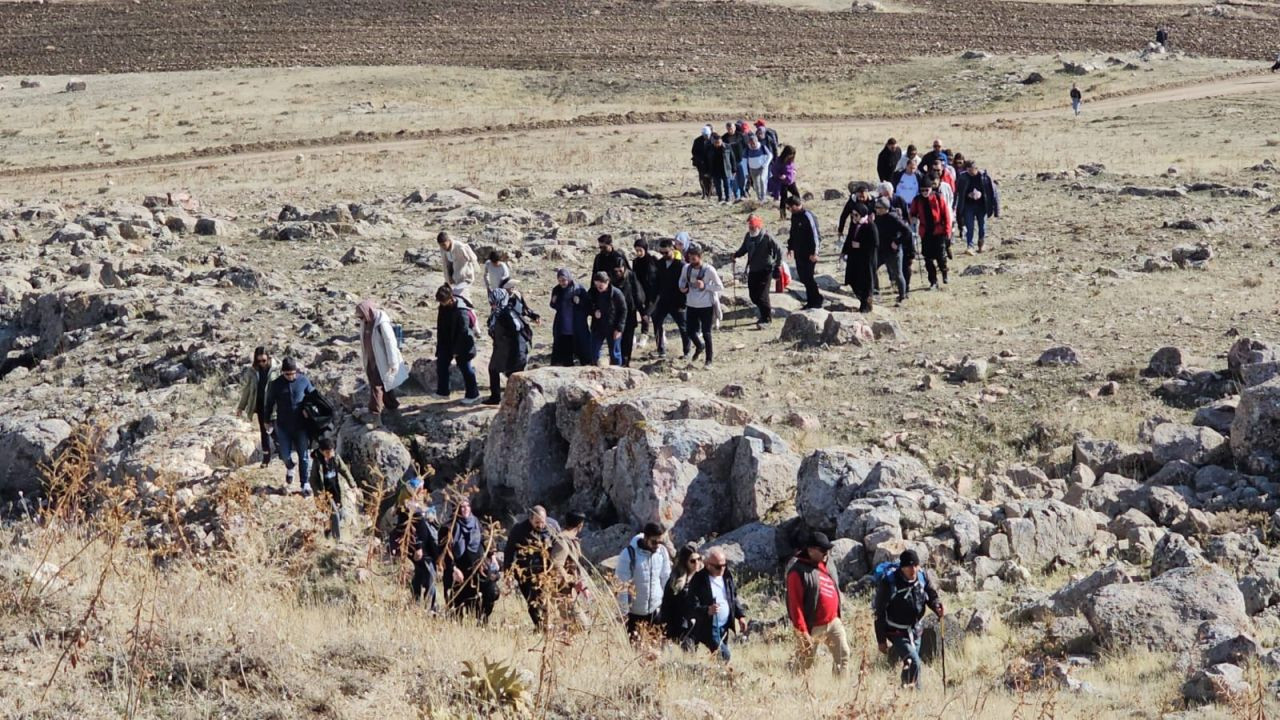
(903, 591)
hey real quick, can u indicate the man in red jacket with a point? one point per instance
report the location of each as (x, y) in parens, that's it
(813, 604)
(933, 214)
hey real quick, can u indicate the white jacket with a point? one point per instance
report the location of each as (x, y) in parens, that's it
(386, 353)
(645, 582)
(463, 261)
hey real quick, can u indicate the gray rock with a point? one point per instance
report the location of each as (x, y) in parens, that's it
(845, 328)
(212, 226)
(1221, 683)
(1256, 427)
(1109, 456)
(762, 483)
(1164, 614)
(1061, 355)
(378, 459)
(1189, 443)
(752, 547)
(1041, 530)
(1247, 351)
(1070, 598)
(973, 370)
(26, 444)
(850, 559)
(1237, 650)
(828, 481)
(887, 330)
(806, 327)
(1217, 415)
(1175, 551)
(1258, 373)
(1166, 362)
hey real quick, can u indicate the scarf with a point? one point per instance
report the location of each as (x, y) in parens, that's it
(367, 310)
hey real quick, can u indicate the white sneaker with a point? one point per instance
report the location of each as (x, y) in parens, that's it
(306, 490)
(471, 400)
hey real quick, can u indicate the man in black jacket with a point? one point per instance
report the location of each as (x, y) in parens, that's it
(716, 606)
(645, 268)
(700, 155)
(763, 258)
(607, 309)
(456, 329)
(977, 199)
(895, 237)
(284, 414)
(528, 558)
(803, 244)
(899, 605)
(887, 161)
(625, 281)
(669, 301)
(608, 258)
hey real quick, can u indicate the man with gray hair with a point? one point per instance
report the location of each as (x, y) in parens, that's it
(717, 609)
(528, 558)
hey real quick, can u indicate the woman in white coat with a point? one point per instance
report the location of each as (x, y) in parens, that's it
(384, 368)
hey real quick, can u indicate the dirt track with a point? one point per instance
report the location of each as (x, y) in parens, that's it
(371, 142)
(574, 34)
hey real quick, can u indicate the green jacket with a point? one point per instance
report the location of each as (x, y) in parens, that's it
(249, 388)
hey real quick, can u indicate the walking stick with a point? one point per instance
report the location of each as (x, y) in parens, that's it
(942, 646)
(733, 269)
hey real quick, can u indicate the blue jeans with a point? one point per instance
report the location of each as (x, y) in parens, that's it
(290, 442)
(720, 641)
(615, 348)
(740, 177)
(1075, 105)
(468, 376)
(972, 213)
(907, 649)
(723, 191)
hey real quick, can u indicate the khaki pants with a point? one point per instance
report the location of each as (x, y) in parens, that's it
(833, 636)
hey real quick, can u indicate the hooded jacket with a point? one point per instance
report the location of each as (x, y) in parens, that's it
(459, 264)
(643, 575)
(570, 304)
(249, 400)
(455, 334)
(386, 352)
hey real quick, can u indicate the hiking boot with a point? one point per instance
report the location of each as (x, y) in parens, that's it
(471, 400)
(266, 461)
(306, 490)
(706, 365)
(944, 278)
(493, 400)
(933, 286)
(981, 244)
(697, 352)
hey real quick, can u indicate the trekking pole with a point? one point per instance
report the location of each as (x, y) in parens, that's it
(942, 647)
(733, 268)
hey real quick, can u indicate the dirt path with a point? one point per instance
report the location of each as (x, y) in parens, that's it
(286, 149)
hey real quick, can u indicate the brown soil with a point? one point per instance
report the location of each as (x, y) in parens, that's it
(577, 34)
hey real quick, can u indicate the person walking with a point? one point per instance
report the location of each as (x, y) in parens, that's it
(782, 179)
(416, 539)
(1077, 97)
(459, 262)
(977, 198)
(900, 208)
(894, 237)
(1162, 35)
(813, 605)
(510, 327)
(608, 311)
(899, 605)
(677, 598)
(767, 135)
(907, 183)
(636, 302)
(384, 368)
(701, 285)
(933, 216)
(456, 332)
(701, 157)
(763, 258)
(570, 334)
(496, 272)
(253, 395)
(528, 558)
(569, 572)
(1276, 66)
(670, 302)
(736, 140)
(859, 254)
(758, 159)
(285, 396)
(803, 244)
(859, 192)
(329, 474)
(933, 156)
(609, 257)
(716, 605)
(887, 160)
(464, 557)
(645, 268)
(643, 569)
(911, 154)
(720, 163)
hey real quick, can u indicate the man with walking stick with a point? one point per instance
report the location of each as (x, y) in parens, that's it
(763, 258)
(903, 592)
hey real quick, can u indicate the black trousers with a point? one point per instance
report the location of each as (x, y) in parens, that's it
(424, 581)
(628, 340)
(700, 321)
(805, 274)
(758, 290)
(663, 312)
(788, 191)
(935, 258)
(267, 448)
(562, 350)
(534, 598)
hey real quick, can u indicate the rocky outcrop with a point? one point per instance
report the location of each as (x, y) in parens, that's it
(1164, 614)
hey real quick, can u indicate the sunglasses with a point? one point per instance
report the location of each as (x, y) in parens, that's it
(717, 566)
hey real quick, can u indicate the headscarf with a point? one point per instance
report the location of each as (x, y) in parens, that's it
(498, 297)
(706, 131)
(683, 240)
(564, 273)
(367, 310)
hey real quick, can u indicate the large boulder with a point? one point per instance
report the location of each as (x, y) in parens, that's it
(451, 443)
(846, 328)
(830, 479)
(1221, 683)
(190, 453)
(762, 481)
(807, 327)
(76, 305)
(752, 547)
(673, 472)
(1067, 600)
(26, 444)
(1040, 531)
(378, 458)
(606, 419)
(1189, 443)
(1255, 430)
(1248, 351)
(1163, 614)
(527, 445)
(1174, 551)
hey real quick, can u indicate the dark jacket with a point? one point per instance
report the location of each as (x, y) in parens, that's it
(528, 551)
(804, 239)
(634, 296)
(612, 306)
(932, 157)
(847, 213)
(887, 162)
(456, 330)
(699, 154)
(891, 229)
(899, 605)
(669, 295)
(737, 144)
(511, 332)
(770, 140)
(806, 601)
(284, 401)
(988, 204)
(899, 206)
(762, 251)
(700, 589)
(677, 610)
(607, 260)
(562, 301)
(320, 470)
(860, 262)
(421, 535)
(645, 270)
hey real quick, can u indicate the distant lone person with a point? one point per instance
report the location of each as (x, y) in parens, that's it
(1162, 35)
(1076, 98)
(1276, 66)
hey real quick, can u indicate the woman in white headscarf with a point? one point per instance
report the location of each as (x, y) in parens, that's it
(384, 368)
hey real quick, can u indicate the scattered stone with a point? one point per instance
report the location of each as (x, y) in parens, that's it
(1062, 355)
(1221, 683)
(1166, 362)
(973, 370)
(77, 86)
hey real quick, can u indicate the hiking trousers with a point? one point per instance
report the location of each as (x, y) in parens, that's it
(805, 274)
(677, 315)
(906, 648)
(700, 323)
(833, 636)
(758, 290)
(935, 258)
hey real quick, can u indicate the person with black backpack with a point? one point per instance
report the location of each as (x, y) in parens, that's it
(764, 256)
(286, 396)
(902, 594)
(512, 333)
(456, 330)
